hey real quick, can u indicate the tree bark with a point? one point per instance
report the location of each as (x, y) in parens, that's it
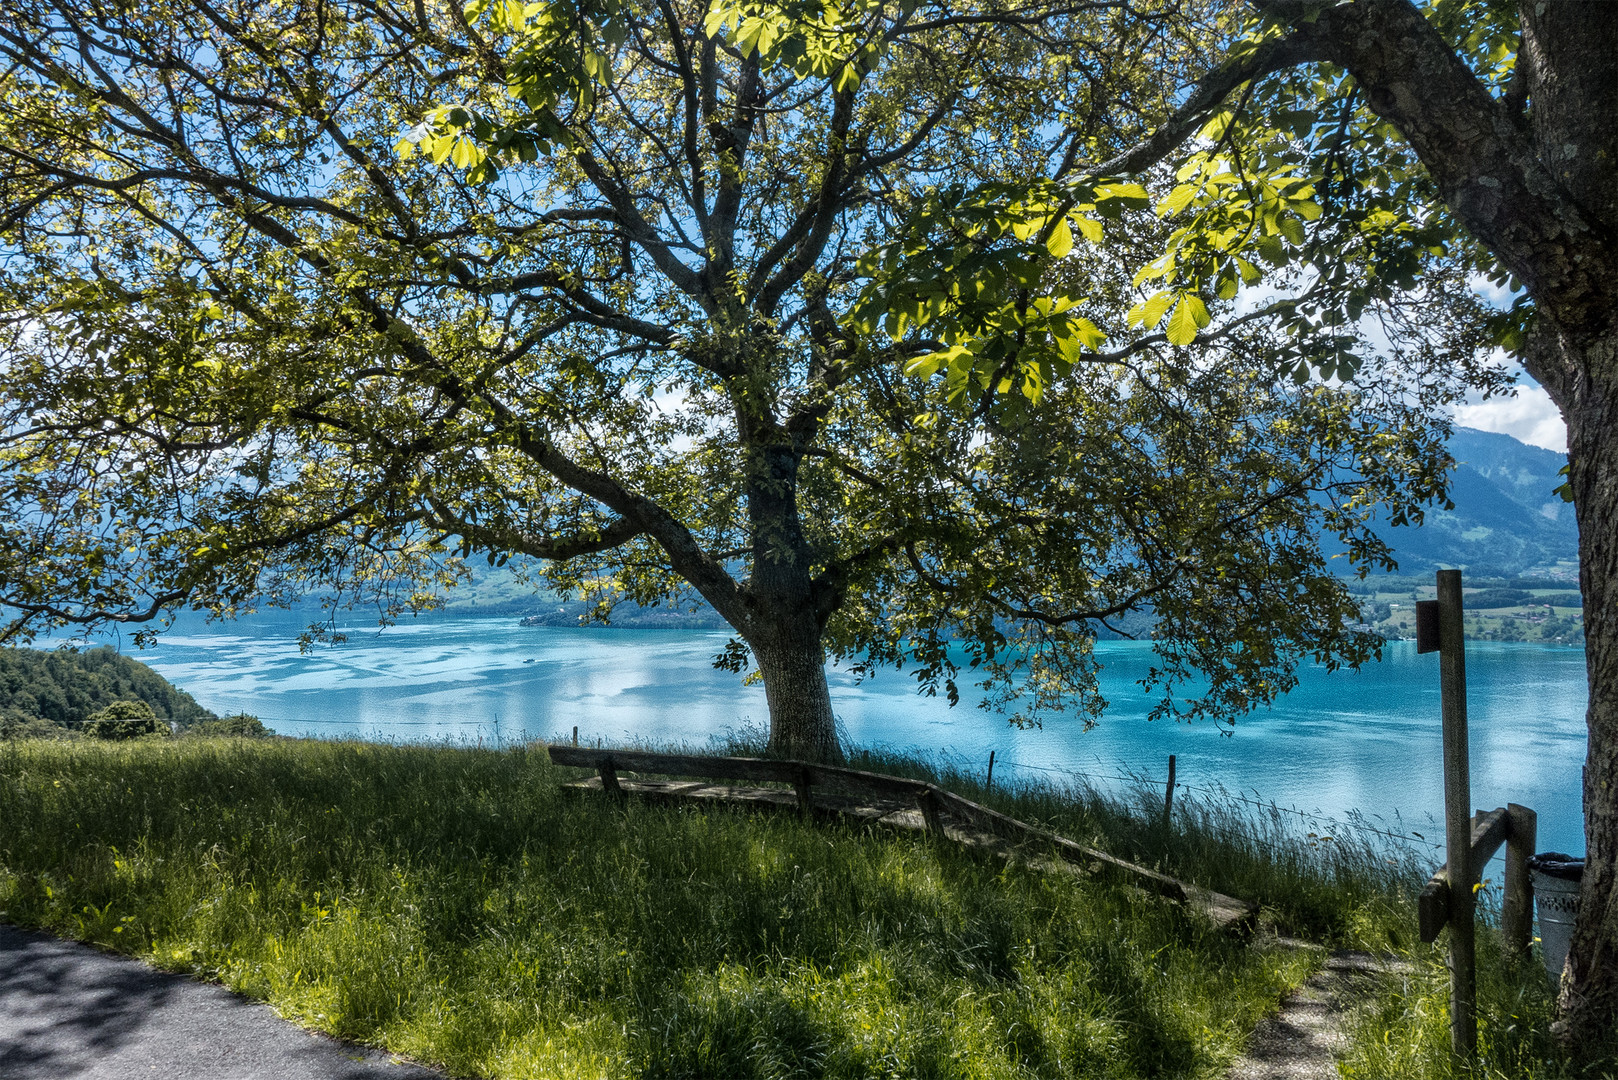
(1588, 1002)
(789, 608)
(1570, 57)
(793, 663)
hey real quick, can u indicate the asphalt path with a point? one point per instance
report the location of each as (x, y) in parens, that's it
(68, 1012)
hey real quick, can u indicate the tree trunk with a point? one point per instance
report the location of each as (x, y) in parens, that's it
(1570, 54)
(789, 606)
(793, 664)
(1589, 992)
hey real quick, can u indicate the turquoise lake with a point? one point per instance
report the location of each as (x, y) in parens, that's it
(1341, 741)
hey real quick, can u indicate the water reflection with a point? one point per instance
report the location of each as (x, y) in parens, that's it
(1343, 740)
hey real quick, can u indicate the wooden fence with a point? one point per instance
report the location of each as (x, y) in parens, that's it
(1515, 827)
(934, 803)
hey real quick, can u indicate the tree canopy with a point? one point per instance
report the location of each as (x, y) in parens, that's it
(751, 302)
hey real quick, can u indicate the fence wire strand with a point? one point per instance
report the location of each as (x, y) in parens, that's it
(1225, 793)
(1220, 792)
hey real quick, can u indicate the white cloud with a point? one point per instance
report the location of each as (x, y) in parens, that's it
(1529, 415)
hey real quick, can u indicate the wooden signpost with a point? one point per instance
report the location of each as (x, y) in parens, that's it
(1447, 613)
(1450, 898)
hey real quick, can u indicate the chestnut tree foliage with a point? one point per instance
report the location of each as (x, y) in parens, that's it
(886, 328)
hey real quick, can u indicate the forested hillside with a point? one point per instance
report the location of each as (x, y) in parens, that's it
(66, 687)
(1507, 520)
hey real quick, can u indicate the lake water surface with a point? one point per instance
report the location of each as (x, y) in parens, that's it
(1341, 741)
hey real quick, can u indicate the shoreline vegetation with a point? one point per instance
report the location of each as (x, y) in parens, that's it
(1541, 610)
(454, 906)
(1544, 609)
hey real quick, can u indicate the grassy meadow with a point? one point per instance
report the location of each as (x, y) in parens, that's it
(452, 905)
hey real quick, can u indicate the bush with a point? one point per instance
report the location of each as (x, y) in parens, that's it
(124, 720)
(241, 725)
(19, 725)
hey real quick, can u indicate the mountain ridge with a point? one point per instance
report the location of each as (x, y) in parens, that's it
(1507, 519)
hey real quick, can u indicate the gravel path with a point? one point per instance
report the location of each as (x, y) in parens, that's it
(70, 1012)
(1303, 1039)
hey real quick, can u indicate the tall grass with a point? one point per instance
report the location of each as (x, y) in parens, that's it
(1349, 885)
(453, 906)
(1344, 888)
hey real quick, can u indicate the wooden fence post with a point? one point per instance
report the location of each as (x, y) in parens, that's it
(609, 777)
(1517, 907)
(930, 812)
(1168, 795)
(988, 781)
(801, 784)
(1458, 818)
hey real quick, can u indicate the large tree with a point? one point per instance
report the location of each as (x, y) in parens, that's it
(277, 323)
(1478, 131)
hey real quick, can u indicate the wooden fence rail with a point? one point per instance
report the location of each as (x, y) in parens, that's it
(1514, 826)
(933, 802)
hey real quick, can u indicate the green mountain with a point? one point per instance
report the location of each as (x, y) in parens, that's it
(1507, 521)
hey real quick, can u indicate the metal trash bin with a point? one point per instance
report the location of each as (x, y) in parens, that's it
(1555, 878)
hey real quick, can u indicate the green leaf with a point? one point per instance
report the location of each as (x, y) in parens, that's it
(1060, 242)
(1189, 316)
(1150, 312)
(1073, 335)
(1089, 228)
(848, 79)
(719, 16)
(1565, 491)
(1125, 192)
(1177, 200)
(759, 33)
(1273, 251)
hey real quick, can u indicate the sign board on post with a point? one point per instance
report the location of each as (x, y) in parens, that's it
(1426, 626)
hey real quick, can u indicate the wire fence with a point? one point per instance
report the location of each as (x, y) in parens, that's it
(1226, 794)
(1124, 777)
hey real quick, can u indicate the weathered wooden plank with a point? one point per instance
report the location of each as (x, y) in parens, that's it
(727, 768)
(858, 782)
(753, 798)
(1012, 829)
(1517, 906)
(1489, 831)
(1432, 906)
